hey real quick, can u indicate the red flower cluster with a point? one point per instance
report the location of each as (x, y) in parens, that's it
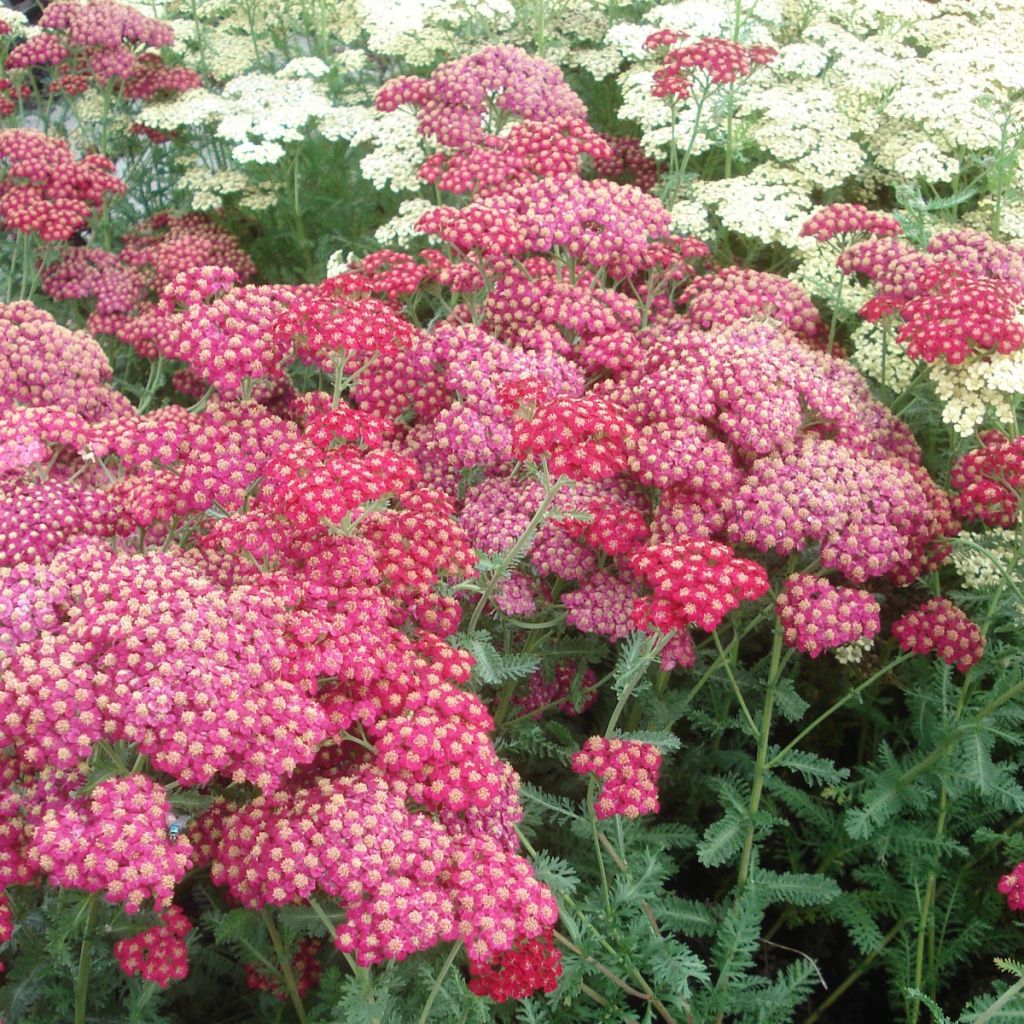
(959, 297)
(696, 582)
(720, 62)
(330, 329)
(48, 192)
(817, 616)
(989, 480)
(628, 771)
(533, 964)
(939, 627)
(583, 438)
(158, 954)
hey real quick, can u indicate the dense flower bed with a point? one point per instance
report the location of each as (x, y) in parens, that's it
(596, 598)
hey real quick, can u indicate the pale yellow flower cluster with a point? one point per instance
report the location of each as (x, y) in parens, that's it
(986, 560)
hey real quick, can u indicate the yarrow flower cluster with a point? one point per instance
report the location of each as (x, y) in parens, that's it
(1012, 887)
(533, 965)
(628, 770)
(939, 627)
(720, 61)
(989, 479)
(817, 616)
(696, 582)
(46, 191)
(454, 101)
(158, 954)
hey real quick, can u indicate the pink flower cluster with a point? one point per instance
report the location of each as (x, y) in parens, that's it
(846, 221)
(226, 334)
(628, 770)
(46, 191)
(158, 954)
(113, 841)
(939, 627)
(455, 100)
(817, 616)
(98, 41)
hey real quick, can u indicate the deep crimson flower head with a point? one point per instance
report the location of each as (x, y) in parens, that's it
(694, 582)
(817, 616)
(158, 954)
(530, 965)
(958, 298)
(46, 190)
(939, 627)
(628, 770)
(663, 37)
(456, 99)
(989, 480)
(327, 325)
(1012, 887)
(584, 438)
(960, 314)
(543, 693)
(719, 61)
(317, 478)
(848, 220)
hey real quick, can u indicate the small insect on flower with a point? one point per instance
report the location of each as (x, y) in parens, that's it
(177, 825)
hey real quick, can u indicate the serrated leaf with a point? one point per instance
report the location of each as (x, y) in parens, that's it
(797, 888)
(722, 840)
(813, 769)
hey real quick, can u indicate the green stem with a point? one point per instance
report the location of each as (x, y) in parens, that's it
(761, 763)
(445, 968)
(85, 959)
(286, 966)
(551, 489)
(825, 715)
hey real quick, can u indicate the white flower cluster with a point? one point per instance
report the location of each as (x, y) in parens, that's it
(770, 204)
(425, 31)
(980, 388)
(209, 188)
(401, 229)
(256, 113)
(985, 560)
(398, 147)
(802, 126)
(877, 355)
(15, 21)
